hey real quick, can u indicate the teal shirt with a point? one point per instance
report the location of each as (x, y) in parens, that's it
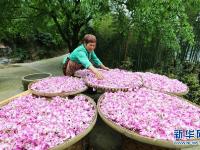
(81, 56)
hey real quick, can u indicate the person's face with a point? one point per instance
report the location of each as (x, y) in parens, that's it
(90, 46)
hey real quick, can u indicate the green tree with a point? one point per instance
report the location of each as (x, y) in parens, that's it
(159, 28)
(68, 16)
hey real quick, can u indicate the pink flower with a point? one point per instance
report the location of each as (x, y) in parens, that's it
(32, 123)
(162, 83)
(115, 78)
(58, 84)
(150, 113)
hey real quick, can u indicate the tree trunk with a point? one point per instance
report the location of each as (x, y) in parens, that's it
(186, 53)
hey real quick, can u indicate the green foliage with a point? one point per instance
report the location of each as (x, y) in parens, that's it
(44, 39)
(42, 53)
(66, 18)
(20, 54)
(127, 64)
(104, 26)
(165, 19)
(159, 28)
(194, 86)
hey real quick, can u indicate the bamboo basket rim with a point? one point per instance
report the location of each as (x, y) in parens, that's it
(73, 140)
(170, 93)
(104, 88)
(108, 89)
(135, 136)
(29, 80)
(56, 93)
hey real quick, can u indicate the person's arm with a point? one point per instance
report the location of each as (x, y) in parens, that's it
(97, 62)
(95, 59)
(87, 64)
(97, 73)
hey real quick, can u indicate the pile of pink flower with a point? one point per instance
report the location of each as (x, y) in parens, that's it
(82, 73)
(150, 113)
(58, 84)
(115, 78)
(162, 83)
(33, 123)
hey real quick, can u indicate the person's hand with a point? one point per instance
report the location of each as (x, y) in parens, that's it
(99, 75)
(106, 68)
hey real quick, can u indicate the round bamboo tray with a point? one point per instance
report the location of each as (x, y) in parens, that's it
(133, 135)
(55, 94)
(178, 94)
(170, 93)
(108, 89)
(72, 141)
